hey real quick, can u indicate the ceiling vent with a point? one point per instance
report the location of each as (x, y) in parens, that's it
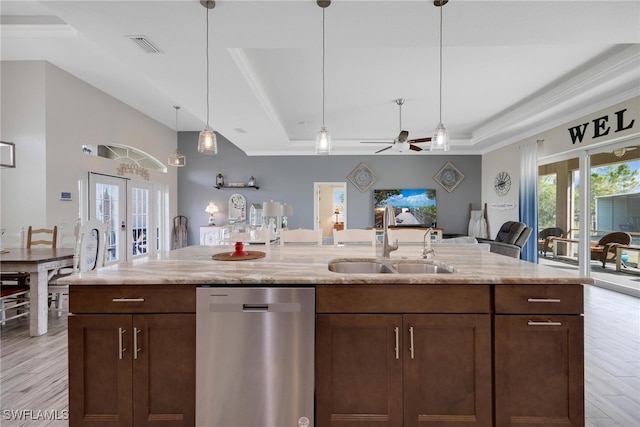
(144, 43)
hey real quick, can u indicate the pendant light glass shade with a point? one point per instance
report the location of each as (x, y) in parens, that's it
(323, 139)
(207, 142)
(177, 159)
(323, 142)
(440, 140)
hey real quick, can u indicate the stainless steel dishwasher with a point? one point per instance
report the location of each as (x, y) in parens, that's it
(255, 357)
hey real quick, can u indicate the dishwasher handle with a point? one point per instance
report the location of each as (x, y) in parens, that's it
(274, 307)
(255, 307)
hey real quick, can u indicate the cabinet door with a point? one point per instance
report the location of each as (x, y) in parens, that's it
(164, 378)
(100, 370)
(447, 364)
(539, 371)
(358, 370)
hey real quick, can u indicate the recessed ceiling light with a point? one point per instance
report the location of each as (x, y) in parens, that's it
(240, 130)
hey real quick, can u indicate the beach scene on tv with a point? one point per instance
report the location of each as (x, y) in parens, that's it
(412, 207)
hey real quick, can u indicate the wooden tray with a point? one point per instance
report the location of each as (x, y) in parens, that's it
(226, 256)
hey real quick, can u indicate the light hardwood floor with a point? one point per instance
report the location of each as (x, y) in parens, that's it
(33, 371)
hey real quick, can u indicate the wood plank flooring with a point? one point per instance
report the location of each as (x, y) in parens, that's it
(33, 371)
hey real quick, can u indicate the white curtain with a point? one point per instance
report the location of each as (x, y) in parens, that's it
(529, 198)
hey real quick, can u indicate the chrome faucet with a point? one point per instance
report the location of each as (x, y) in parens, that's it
(427, 249)
(388, 218)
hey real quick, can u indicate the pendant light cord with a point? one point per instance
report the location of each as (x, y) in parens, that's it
(207, 55)
(323, 55)
(441, 6)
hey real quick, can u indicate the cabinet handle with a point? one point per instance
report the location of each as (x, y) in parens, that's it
(411, 341)
(121, 349)
(397, 348)
(543, 300)
(547, 323)
(128, 300)
(136, 349)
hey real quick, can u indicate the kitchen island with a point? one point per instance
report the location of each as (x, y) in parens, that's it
(497, 342)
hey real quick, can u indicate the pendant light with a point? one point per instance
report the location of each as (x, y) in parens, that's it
(177, 159)
(440, 140)
(323, 139)
(207, 142)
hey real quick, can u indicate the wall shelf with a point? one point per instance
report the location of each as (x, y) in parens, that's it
(236, 187)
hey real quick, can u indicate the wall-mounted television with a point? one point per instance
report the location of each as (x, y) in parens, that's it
(412, 207)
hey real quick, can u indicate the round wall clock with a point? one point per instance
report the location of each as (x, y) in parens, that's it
(502, 183)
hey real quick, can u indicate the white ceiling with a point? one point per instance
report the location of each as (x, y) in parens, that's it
(510, 68)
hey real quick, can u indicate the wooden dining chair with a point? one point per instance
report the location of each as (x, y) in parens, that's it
(14, 302)
(354, 236)
(43, 237)
(35, 237)
(300, 236)
(89, 255)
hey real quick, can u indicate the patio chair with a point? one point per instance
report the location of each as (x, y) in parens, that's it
(546, 239)
(605, 249)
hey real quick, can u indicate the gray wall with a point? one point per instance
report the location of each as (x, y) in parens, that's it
(290, 179)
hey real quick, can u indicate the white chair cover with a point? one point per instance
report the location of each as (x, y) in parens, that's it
(478, 225)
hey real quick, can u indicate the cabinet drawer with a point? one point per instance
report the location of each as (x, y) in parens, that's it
(403, 299)
(538, 299)
(132, 299)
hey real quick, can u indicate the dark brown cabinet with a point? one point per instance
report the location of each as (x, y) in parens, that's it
(129, 369)
(405, 369)
(539, 356)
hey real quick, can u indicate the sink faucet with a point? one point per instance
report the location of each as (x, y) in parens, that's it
(427, 249)
(388, 218)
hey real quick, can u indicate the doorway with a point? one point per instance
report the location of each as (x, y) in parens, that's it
(132, 210)
(330, 207)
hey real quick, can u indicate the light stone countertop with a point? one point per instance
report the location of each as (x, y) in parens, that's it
(302, 265)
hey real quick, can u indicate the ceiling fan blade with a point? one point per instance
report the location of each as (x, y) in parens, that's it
(419, 140)
(414, 147)
(402, 137)
(380, 151)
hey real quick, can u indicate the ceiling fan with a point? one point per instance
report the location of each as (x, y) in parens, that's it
(402, 142)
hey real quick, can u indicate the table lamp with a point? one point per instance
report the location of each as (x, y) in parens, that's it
(272, 210)
(287, 210)
(211, 210)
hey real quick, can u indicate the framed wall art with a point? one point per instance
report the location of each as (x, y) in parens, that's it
(7, 154)
(363, 177)
(449, 177)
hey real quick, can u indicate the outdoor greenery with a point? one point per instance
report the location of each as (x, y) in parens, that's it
(546, 201)
(607, 180)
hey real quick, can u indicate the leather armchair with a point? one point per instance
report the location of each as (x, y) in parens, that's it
(510, 239)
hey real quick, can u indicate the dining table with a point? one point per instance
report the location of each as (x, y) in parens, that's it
(39, 263)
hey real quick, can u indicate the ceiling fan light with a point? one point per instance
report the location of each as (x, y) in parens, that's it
(207, 142)
(323, 142)
(402, 146)
(440, 141)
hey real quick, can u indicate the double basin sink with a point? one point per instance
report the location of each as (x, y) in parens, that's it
(388, 266)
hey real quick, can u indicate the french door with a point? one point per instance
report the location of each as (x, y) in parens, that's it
(132, 212)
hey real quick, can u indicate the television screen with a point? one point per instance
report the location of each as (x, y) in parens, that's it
(412, 207)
